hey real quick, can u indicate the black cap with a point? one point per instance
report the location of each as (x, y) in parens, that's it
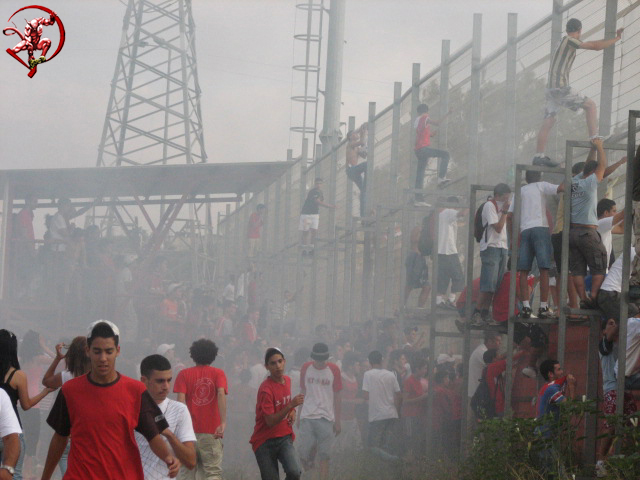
(320, 352)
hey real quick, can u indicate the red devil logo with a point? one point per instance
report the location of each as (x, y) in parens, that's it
(32, 40)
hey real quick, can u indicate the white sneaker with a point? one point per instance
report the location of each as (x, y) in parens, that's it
(419, 203)
(529, 372)
(601, 470)
(442, 181)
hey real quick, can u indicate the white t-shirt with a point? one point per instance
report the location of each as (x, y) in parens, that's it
(8, 421)
(605, 225)
(476, 365)
(58, 226)
(613, 280)
(65, 376)
(180, 423)
(258, 374)
(491, 238)
(533, 207)
(447, 232)
(320, 386)
(381, 385)
(632, 362)
(229, 292)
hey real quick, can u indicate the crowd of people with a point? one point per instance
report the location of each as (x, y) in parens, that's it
(334, 391)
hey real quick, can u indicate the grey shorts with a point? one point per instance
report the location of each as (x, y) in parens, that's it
(586, 250)
(315, 433)
(562, 97)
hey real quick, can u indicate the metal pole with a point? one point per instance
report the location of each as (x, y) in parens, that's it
(474, 107)
(349, 251)
(367, 265)
(330, 291)
(515, 235)
(444, 93)
(433, 319)
(333, 81)
(564, 271)
(510, 89)
(608, 65)
(299, 264)
(395, 143)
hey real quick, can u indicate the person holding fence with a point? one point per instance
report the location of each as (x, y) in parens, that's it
(560, 94)
(357, 149)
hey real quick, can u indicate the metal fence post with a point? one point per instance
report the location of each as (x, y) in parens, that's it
(445, 51)
(510, 88)
(395, 142)
(415, 101)
(349, 250)
(367, 264)
(330, 291)
(474, 102)
(608, 66)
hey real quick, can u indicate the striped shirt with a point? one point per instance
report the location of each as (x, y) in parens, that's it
(562, 62)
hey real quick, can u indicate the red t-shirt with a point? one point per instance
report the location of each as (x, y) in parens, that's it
(495, 381)
(101, 420)
(200, 385)
(25, 220)
(423, 132)
(442, 407)
(349, 392)
(414, 388)
(272, 397)
(500, 305)
(255, 226)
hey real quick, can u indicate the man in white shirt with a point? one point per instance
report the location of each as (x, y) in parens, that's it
(493, 250)
(321, 385)
(9, 432)
(381, 389)
(535, 240)
(449, 268)
(157, 376)
(609, 294)
(492, 341)
(610, 221)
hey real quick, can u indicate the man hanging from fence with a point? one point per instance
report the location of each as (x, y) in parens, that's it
(560, 94)
(357, 149)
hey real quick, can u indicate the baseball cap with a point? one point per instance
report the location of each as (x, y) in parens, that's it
(164, 348)
(113, 326)
(320, 352)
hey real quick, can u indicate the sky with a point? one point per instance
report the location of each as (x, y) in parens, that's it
(245, 52)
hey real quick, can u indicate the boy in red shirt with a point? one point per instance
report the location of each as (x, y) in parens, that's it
(101, 410)
(273, 436)
(204, 388)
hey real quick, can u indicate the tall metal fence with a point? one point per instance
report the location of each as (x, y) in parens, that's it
(493, 106)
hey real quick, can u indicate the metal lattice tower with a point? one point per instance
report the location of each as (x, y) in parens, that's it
(153, 116)
(305, 103)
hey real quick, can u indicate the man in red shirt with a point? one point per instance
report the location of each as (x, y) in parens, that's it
(273, 436)
(204, 388)
(414, 406)
(101, 410)
(254, 229)
(424, 151)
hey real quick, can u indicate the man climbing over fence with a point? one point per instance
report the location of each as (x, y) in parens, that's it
(560, 94)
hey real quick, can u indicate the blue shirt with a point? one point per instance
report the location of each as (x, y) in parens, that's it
(584, 200)
(549, 397)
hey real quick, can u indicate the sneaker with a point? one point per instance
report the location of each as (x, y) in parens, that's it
(601, 470)
(544, 162)
(443, 181)
(529, 372)
(525, 312)
(545, 313)
(588, 304)
(477, 320)
(421, 203)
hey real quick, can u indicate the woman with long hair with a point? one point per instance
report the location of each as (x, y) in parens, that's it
(77, 363)
(14, 381)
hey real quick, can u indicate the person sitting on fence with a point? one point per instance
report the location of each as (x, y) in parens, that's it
(535, 239)
(310, 214)
(424, 151)
(610, 221)
(608, 350)
(493, 250)
(254, 229)
(416, 265)
(559, 93)
(357, 149)
(449, 268)
(585, 245)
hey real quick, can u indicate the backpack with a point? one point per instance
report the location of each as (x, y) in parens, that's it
(426, 241)
(481, 403)
(478, 228)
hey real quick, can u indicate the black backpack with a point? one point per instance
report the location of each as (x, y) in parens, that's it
(481, 403)
(478, 228)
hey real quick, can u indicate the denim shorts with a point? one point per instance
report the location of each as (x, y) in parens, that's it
(535, 243)
(494, 264)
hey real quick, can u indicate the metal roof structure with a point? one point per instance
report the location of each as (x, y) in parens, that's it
(229, 179)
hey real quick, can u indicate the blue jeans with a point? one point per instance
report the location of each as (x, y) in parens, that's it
(23, 449)
(494, 264)
(278, 449)
(358, 175)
